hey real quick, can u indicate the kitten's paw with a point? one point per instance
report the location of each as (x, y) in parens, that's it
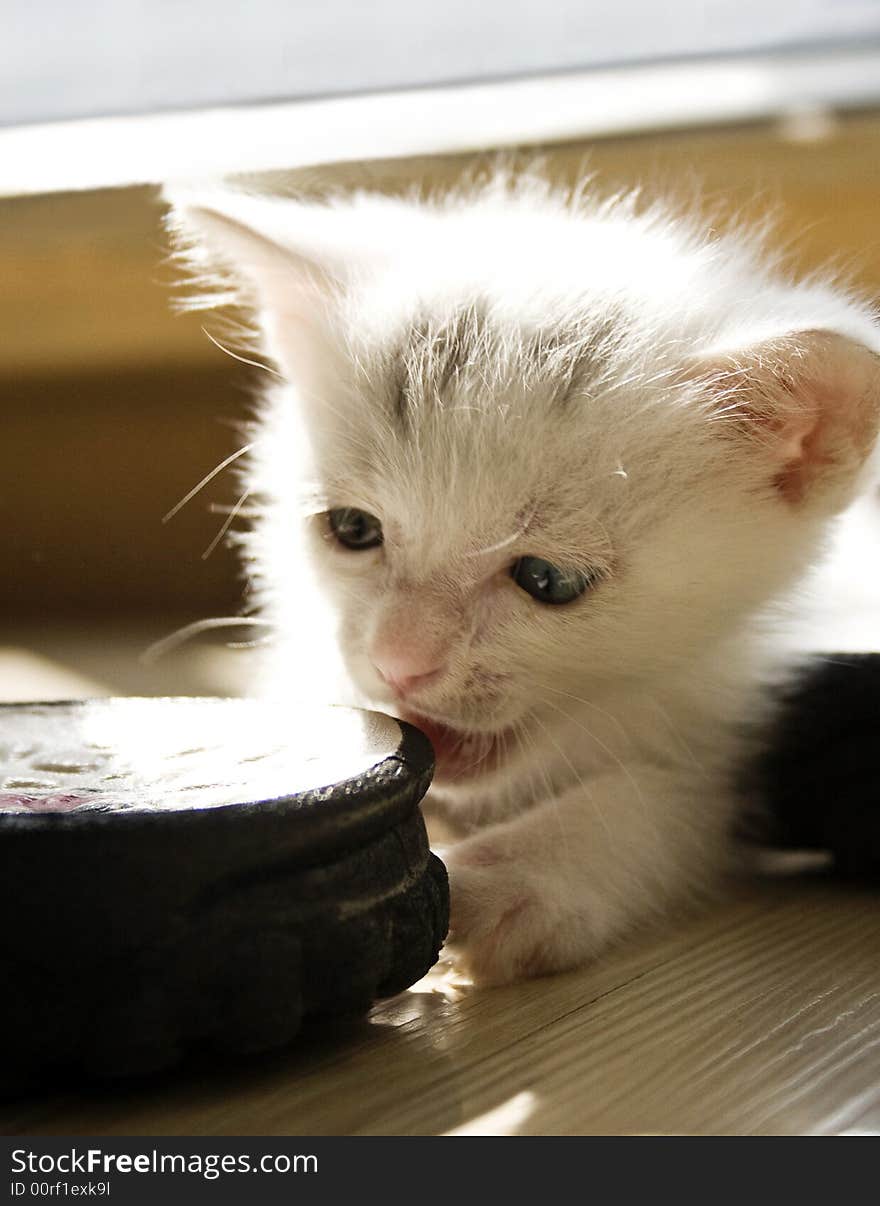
(507, 920)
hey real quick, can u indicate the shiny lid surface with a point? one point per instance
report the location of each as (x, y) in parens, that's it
(140, 755)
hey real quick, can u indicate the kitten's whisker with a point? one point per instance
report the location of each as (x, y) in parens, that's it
(579, 778)
(508, 540)
(486, 744)
(244, 512)
(181, 635)
(587, 703)
(552, 796)
(621, 765)
(208, 478)
(679, 736)
(519, 731)
(243, 359)
(541, 768)
(225, 526)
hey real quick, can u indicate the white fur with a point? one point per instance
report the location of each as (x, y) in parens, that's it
(601, 387)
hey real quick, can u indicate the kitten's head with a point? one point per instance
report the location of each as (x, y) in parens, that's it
(536, 448)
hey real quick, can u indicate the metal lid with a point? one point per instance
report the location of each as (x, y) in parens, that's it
(172, 754)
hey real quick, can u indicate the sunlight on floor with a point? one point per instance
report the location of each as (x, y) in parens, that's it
(506, 1119)
(443, 980)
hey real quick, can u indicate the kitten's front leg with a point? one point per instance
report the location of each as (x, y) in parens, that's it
(548, 889)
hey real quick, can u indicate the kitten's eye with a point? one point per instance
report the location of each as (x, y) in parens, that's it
(355, 529)
(548, 583)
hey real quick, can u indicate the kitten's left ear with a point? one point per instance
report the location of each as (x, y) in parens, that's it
(806, 406)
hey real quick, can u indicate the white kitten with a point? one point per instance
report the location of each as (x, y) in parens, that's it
(550, 461)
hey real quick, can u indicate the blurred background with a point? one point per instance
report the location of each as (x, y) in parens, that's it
(113, 408)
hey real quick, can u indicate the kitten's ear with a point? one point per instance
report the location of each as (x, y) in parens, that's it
(286, 260)
(806, 405)
(273, 245)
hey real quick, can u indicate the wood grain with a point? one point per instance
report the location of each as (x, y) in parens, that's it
(762, 1017)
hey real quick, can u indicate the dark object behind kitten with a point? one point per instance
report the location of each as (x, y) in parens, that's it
(820, 772)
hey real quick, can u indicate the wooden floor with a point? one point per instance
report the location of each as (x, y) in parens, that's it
(761, 1017)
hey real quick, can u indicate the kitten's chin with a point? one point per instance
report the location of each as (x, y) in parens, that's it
(461, 755)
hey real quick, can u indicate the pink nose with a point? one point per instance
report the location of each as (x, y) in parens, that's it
(406, 672)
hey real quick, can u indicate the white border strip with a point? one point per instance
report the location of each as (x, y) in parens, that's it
(112, 152)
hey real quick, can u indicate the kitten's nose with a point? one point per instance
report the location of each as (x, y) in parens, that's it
(406, 672)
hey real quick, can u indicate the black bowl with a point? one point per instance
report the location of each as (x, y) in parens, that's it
(184, 874)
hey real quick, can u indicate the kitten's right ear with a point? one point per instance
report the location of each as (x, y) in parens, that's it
(274, 248)
(286, 260)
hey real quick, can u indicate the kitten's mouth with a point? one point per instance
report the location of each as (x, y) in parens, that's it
(459, 754)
